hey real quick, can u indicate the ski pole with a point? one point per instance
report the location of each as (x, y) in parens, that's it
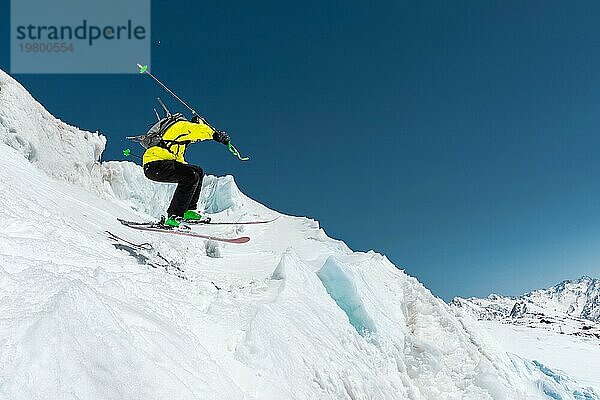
(230, 146)
(235, 152)
(144, 69)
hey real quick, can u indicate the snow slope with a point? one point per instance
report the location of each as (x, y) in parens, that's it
(577, 357)
(292, 314)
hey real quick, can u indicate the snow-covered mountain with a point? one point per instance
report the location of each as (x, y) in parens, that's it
(293, 314)
(571, 307)
(557, 327)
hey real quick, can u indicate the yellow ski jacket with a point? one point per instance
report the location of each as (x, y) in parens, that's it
(182, 131)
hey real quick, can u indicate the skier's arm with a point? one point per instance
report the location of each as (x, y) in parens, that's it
(218, 136)
(195, 132)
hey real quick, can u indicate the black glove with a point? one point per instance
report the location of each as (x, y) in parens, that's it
(221, 137)
(196, 120)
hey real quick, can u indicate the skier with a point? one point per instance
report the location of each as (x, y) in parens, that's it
(165, 163)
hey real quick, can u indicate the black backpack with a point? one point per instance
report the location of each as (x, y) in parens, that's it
(154, 136)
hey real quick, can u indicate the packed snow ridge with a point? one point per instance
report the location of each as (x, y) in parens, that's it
(571, 307)
(293, 314)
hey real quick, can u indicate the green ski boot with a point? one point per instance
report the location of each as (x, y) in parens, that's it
(192, 216)
(173, 221)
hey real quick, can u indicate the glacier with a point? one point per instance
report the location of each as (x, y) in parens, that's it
(293, 314)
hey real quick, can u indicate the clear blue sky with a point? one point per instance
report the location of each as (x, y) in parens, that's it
(458, 138)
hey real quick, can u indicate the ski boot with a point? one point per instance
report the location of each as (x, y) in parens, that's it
(172, 222)
(194, 217)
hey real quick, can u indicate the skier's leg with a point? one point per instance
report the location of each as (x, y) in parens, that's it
(194, 200)
(161, 171)
(186, 187)
(185, 176)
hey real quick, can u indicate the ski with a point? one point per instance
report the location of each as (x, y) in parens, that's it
(155, 227)
(209, 222)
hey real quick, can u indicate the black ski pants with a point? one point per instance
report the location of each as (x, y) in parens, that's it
(188, 179)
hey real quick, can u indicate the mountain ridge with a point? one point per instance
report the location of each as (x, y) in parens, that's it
(571, 307)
